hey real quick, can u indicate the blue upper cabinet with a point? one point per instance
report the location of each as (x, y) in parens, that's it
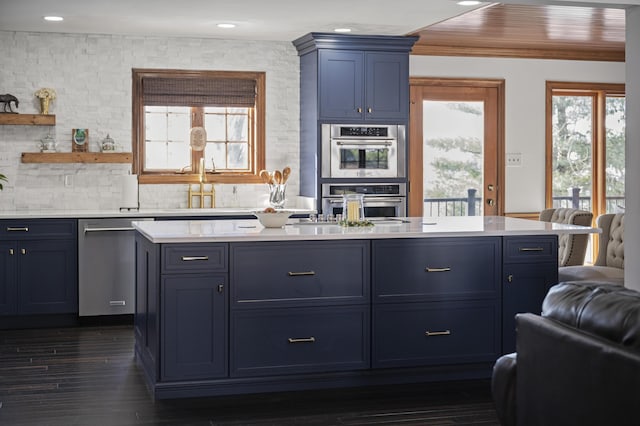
(363, 85)
(341, 85)
(354, 78)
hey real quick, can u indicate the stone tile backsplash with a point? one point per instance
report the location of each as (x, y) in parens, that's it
(92, 77)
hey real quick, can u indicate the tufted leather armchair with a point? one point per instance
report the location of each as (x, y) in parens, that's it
(571, 247)
(609, 265)
(577, 364)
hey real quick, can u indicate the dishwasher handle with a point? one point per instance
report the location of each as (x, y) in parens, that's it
(122, 228)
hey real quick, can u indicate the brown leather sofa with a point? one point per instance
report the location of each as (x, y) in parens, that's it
(577, 364)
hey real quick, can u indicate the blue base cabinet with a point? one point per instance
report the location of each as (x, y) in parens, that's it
(40, 267)
(436, 301)
(530, 269)
(247, 317)
(194, 326)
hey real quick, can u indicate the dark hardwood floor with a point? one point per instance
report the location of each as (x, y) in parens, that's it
(88, 376)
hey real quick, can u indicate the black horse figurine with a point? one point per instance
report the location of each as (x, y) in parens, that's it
(7, 99)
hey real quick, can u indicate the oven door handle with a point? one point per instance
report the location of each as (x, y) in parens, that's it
(368, 200)
(334, 201)
(365, 143)
(382, 200)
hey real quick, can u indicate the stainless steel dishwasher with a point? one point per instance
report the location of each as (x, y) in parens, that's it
(106, 266)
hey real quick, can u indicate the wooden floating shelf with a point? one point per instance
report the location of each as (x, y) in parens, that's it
(28, 119)
(76, 157)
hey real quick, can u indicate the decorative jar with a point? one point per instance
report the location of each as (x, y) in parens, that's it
(353, 207)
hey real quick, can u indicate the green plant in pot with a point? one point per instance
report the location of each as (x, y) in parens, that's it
(2, 178)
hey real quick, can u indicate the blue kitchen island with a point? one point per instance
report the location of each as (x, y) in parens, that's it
(229, 307)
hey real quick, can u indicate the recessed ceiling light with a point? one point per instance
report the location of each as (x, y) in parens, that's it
(469, 3)
(226, 25)
(53, 18)
(342, 30)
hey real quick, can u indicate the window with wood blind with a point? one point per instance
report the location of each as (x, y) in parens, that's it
(188, 121)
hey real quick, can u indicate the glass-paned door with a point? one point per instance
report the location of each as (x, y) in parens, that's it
(456, 154)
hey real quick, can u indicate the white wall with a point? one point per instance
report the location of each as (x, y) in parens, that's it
(632, 177)
(92, 77)
(525, 109)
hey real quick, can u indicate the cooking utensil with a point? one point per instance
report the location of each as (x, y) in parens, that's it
(277, 176)
(265, 176)
(285, 174)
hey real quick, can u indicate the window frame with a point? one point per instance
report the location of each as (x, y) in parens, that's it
(256, 144)
(599, 92)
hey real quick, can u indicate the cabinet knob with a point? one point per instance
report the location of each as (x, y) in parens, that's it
(490, 202)
(359, 110)
(510, 278)
(23, 251)
(220, 288)
(11, 252)
(369, 110)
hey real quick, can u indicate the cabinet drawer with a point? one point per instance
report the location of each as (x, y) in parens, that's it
(194, 257)
(415, 334)
(331, 272)
(530, 249)
(436, 269)
(16, 229)
(299, 340)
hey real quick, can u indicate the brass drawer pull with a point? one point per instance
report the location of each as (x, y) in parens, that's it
(531, 249)
(427, 269)
(192, 258)
(21, 229)
(302, 340)
(300, 274)
(437, 333)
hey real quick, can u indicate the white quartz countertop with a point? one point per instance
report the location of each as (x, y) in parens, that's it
(196, 231)
(223, 211)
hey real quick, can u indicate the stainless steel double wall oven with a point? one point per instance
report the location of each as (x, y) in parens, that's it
(358, 158)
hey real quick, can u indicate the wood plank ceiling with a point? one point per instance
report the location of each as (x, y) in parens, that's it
(523, 31)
